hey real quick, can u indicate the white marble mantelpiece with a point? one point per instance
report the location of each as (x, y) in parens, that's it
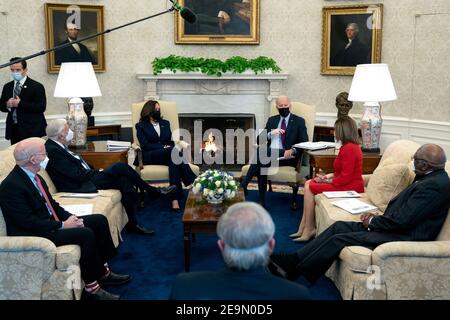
(229, 93)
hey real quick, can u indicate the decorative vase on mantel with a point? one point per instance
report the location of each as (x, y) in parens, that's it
(77, 120)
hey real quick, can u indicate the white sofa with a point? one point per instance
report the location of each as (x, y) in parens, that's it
(395, 270)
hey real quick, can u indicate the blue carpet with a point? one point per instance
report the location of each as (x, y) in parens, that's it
(154, 261)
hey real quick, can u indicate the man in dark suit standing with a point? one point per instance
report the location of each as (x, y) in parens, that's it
(70, 173)
(24, 100)
(246, 240)
(30, 210)
(416, 214)
(77, 52)
(354, 52)
(276, 140)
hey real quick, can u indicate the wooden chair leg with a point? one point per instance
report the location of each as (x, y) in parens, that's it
(270, 185)
(294, 205)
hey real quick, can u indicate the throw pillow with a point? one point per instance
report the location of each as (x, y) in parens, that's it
(387, 182)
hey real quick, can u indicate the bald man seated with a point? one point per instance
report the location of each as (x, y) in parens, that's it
(29, 210)
(416, 214)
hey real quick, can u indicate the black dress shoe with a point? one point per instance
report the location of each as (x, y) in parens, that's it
(100, 295)
(137, 229)
(114, 279)
(168, 190)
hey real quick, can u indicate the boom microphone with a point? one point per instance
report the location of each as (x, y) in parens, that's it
(185, 12)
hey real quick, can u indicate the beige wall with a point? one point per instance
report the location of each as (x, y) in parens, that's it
(290, 33)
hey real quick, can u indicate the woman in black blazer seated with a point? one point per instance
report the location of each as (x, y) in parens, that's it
(155, 138)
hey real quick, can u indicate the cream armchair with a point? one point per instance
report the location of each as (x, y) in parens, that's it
(32, 268)
(156, 173)
(290, 175)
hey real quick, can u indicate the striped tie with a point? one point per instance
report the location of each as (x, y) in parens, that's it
(17, 90)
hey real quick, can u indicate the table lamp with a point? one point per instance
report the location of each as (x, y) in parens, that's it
(76, 80)
(372, 84)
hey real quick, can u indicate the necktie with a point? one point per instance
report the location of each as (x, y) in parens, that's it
(44, 194)
(283, 136)
(17, 90)
(78, 157)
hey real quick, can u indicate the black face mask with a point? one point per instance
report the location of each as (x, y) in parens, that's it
(284, 112)
(156, 115)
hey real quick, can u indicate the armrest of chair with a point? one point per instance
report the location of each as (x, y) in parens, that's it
(29, 250)
(417, 249)
(138, 151)
(67, 256)
(366, 179)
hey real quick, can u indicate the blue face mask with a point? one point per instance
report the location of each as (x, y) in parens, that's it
(17, 76)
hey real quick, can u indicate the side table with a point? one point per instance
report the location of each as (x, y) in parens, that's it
(99, 156)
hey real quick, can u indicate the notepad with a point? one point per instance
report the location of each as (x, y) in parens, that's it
(341, 194)
(79, 209)
(315, 145)
(354, 206)
(78, 195)
(113, 144)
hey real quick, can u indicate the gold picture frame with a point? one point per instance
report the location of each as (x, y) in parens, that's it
(221, 22)
(89, 19)
(360, 23)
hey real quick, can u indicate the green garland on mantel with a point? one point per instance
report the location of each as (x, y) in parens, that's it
(214, 67)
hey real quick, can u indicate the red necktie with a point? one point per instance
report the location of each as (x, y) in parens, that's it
(283, 136)
(44, 194)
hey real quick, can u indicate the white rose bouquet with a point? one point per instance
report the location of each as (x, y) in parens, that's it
(215, 185)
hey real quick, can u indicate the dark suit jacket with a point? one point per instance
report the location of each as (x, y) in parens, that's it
(295, 131)
(69, 54)
(67, 172)
(356, 53)
(231, 284)
(30, 112)
(149, 138)
(419, 211)
(24, 208)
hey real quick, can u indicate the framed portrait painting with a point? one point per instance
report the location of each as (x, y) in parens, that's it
(66, 23)
(219, 22)
(351, 35)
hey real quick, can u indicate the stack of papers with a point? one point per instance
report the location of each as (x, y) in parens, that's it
(315, 145)
(354, 206)
(78, 195)
(113, 144)
(79, 209)
(341, 194)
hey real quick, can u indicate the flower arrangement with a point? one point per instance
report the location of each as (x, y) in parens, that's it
(215, 185)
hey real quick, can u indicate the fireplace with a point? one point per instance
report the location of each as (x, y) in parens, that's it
(219, 140)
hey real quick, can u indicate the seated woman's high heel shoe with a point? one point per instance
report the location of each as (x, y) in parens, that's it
(306, 236)
(296, 235)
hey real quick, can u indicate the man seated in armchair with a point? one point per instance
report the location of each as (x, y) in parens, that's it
(416, 214)
(30, 210)
(276, 141)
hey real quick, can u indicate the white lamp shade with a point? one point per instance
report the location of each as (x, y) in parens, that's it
(77, 79)
(372, 82)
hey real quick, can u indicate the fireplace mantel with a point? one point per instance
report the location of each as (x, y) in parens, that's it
(229, 93)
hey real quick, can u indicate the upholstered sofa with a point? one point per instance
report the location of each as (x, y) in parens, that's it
(395, 270)
(32, 267)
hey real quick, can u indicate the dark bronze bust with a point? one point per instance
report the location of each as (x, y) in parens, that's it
(342, 104)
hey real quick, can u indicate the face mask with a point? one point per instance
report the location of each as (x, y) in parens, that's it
(17, 76)
(156, 115)
(413, 168)
(69, 136)
(284, 112)
(44, 163)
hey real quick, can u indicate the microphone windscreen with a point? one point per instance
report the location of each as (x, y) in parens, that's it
(188, 15)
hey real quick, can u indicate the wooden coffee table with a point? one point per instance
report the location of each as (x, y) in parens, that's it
(202, 217)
